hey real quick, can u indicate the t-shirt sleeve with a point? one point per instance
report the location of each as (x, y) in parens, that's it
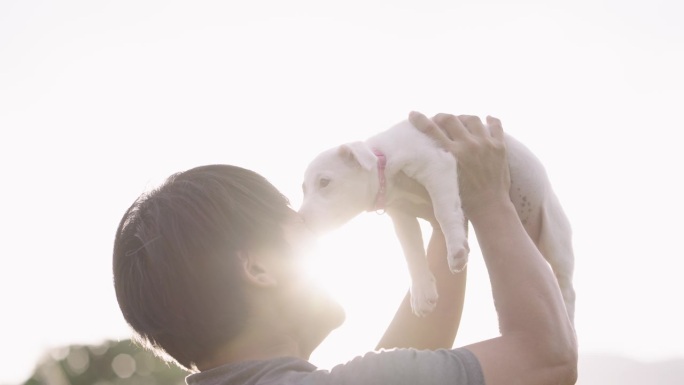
(404, 367)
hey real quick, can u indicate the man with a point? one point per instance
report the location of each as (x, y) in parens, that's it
(206, 272)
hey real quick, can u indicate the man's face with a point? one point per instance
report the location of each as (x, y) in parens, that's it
(313, 311)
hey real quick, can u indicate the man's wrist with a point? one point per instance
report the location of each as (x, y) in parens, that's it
(489, 208)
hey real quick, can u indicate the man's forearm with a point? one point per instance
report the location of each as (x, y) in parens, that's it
(537, 343)
(526, 294)
(437, 329)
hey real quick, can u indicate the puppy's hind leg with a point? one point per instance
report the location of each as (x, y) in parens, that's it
(555, 244)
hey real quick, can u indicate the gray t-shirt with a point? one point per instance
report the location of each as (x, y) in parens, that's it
(388, 367)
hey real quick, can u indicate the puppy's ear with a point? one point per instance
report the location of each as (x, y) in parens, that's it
(358, 153)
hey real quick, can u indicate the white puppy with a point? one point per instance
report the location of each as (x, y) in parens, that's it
(346, 180)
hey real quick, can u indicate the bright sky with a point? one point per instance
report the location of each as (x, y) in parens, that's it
(100, 101)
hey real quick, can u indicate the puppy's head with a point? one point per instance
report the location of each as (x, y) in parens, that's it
(338, 185)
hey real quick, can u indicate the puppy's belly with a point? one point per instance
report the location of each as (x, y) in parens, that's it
(416, 204)
(528, 204)
(529, 185)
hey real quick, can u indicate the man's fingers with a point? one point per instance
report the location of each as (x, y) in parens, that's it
(474, 125)
(424, 124)
(495, 128)
(452, 125)
(449, 129)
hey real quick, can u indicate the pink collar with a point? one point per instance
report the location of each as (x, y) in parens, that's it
(379, 205)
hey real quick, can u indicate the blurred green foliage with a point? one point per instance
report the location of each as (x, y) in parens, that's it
(111, 363)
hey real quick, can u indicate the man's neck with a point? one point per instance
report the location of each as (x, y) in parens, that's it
(256, 345)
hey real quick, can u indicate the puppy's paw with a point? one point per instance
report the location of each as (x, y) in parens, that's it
(424, 296)
(459, 259)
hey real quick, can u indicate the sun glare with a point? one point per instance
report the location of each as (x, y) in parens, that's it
(362, 266)
(358, 261)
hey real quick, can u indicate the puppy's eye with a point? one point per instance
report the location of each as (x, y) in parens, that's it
(323, 182)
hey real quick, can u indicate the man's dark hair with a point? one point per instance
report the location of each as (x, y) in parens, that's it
(176, 258)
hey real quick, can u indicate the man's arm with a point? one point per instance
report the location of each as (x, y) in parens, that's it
(537, 343)
(438, 328)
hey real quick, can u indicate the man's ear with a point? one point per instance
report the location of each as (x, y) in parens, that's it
(255, 272)
(358, 153)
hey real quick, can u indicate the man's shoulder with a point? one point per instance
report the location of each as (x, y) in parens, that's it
(252, 372)
(396, 366)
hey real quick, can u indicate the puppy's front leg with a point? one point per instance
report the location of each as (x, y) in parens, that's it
(442, 185)
(423, 286)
